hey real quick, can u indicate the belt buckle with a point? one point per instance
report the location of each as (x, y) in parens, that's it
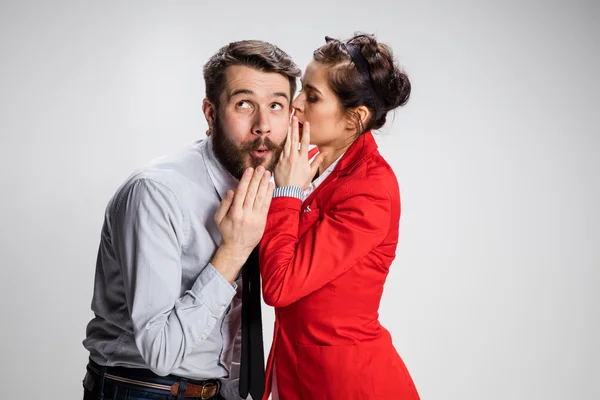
(204, 394)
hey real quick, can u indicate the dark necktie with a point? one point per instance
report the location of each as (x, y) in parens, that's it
(252, 366)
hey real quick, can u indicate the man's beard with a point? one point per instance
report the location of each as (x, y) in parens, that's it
(234, 157)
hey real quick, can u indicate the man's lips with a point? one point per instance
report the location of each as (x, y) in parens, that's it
(261, 152)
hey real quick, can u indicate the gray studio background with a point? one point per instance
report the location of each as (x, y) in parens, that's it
(494, 292)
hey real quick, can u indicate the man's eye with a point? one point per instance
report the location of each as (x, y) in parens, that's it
(276, 107)
(243, 104)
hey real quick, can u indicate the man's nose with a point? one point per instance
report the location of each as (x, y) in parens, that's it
(262, 124)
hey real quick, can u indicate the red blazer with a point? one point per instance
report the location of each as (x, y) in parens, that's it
(324, 262)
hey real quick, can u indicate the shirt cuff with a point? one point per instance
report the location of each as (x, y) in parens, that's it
(213, 290)
(289, 191)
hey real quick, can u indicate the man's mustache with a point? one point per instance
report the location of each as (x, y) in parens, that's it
(260, 142)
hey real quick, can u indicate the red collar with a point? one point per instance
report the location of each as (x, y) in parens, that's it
(361, 147)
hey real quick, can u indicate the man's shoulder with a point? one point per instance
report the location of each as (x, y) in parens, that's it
(185, 166)
(186, 162)
(175, 173)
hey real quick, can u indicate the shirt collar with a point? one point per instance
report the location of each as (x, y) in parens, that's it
(326, 173)
(220, 177)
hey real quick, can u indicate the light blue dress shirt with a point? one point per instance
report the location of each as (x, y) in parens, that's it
(158, 302)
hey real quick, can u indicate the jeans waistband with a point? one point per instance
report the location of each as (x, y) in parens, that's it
(142, 374)
(149, 381)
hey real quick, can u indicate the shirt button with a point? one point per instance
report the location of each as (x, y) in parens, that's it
(203, 337)
(222, 308)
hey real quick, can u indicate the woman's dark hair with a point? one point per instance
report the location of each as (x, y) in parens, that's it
(362, 72)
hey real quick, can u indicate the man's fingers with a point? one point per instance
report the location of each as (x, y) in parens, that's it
(262, 191)
(253, 187)
(224, 207)
(240, 192)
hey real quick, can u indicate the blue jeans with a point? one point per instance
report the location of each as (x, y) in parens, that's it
(115, 391)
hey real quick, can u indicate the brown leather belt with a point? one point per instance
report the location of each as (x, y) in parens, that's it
(207, 390)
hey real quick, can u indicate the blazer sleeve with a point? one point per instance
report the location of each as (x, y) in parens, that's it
(293, 267)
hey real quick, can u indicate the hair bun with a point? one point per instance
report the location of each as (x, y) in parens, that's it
(390, 84)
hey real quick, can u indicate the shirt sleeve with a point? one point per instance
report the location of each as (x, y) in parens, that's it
(149, 231)
(288, 191)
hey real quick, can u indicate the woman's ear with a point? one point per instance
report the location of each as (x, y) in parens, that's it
(360, 116)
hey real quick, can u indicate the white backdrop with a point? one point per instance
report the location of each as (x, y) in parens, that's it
(493, 294)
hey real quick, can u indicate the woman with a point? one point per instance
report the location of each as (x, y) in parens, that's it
(329, 243)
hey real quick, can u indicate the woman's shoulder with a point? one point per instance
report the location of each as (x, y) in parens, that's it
(372, 178)
(373, 171)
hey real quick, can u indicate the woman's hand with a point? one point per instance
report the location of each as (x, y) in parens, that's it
(294, 168)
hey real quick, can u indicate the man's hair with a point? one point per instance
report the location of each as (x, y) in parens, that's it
(262, 56)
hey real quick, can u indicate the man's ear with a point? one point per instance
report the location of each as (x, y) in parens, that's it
(210, 113)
